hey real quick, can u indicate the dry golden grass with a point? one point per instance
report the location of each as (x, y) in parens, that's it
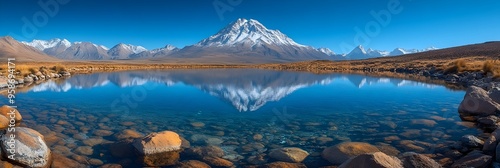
(465, 65)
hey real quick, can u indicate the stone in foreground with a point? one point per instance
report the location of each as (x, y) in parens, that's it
(293, 155)
(478, 103)
(372, 160)
(340, 153)
(31, 150)
(159, 149)
(10, 112)
(165, 141)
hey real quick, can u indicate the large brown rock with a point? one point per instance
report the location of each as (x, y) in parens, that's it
(4, 122)
(9, 112)
(165, 141)
(340, 153)
(414, 160)
(30, 148)
(477, 103)
(474, 159)
(159, 149)
(372, 160)
(293, 155)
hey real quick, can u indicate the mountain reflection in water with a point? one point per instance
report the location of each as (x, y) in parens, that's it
(245, 89)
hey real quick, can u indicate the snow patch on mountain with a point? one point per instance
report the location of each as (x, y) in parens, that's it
(43, 44)
(327, 51)
(132, 48)
(250, 32)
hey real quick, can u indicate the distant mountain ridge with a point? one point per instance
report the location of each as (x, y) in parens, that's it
(243, 40)
(361, 53)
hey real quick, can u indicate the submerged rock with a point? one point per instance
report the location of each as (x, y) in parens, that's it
(294, 155)
(192, 164)
(128, 134)
(161, 159)
(283, 165)
(372, 160)
(206, 139)
(200, 152)
(84, 150)
(60, 161)
(425, 122)
(197, 124)
(31, 150)
(217, 161)
(103, 133)
(340, 153)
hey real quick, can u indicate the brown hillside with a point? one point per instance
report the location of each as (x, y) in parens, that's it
(10, 48)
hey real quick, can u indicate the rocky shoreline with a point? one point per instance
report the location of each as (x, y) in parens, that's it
(464, 79)
(168, 149)
(33, 78)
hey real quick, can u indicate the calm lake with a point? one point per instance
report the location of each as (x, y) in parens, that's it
(245, 112)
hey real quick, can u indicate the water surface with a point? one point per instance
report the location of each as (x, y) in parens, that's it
(296, 109)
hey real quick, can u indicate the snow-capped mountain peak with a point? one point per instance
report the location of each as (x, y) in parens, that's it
(43, 44)
(361, 53)
(167, 48)
(358, 50)
(131, 48)
(170, 47)
(250, 32)
(327, 51)
(430, 49)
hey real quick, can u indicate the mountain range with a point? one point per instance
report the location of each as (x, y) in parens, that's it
(245, 40)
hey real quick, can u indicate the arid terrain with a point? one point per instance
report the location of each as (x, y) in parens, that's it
(478, 57)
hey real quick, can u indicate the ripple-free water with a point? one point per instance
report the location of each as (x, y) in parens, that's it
(289, 109)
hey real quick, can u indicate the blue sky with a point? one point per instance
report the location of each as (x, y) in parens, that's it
(319, 23)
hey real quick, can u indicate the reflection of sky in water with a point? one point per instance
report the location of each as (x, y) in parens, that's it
(282, 106)
(248, 95)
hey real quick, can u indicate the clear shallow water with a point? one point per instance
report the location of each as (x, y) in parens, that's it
(296, 109)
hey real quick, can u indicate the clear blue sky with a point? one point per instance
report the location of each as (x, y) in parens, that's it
(319, 23)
